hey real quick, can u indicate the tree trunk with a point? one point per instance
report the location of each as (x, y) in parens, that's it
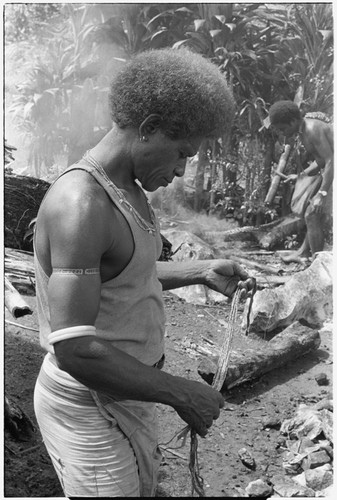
(293, 342)
(199, 177)
(16, 305)
(277, 178)
(268, 236)
(268, 160)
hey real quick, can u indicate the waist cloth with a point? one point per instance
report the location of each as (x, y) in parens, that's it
(99, 447)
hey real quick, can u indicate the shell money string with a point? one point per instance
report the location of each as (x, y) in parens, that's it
(218, 381)
(142, 223)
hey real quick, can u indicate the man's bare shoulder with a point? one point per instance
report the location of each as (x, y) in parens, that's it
(315, 129)
(75, 191)
(75, 207)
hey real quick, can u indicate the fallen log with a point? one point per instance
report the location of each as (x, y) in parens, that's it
(267, 236)
(19, 269)
(287, 226)
(15, 304)
(252, 362)
(251, 263)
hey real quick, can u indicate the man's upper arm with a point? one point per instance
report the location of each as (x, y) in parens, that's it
(323, 145)
(77, 238)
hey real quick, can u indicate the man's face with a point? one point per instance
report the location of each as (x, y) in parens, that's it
(163, 158)
(287, 129)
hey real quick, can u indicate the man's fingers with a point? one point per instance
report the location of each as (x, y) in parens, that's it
(241, 273)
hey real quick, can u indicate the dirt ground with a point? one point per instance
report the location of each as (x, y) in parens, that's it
(28, 471)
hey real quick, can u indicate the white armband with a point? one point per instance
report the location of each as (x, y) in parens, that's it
(71, 333)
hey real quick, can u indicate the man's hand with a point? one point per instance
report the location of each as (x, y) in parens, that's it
(225, 276)
(201, 405)
(290, 178)
(317, 203)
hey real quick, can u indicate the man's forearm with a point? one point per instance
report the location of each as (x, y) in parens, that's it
(327, 176)
(101, 367)
(178, 274)
(312, 169)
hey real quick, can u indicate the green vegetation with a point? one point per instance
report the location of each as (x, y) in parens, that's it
(266, 51)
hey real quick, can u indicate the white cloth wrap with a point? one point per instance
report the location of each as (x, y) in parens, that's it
(91, 455)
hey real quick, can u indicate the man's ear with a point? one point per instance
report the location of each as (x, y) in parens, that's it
(149, 126)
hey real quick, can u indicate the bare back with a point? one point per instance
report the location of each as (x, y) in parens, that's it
(317, 138)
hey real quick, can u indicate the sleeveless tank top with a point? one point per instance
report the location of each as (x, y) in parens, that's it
(131, 314)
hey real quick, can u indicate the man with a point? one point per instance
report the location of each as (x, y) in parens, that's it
(99, 285)
(316, 136)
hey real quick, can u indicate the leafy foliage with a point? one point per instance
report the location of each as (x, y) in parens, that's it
(267, 52)
(46, 106)
(25, 21)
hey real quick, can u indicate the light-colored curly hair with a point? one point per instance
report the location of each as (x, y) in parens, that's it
(185, 89)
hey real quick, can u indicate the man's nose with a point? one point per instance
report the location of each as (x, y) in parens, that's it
(181, 167)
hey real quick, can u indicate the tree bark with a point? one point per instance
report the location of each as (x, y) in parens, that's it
(16, 305)
(199, 177)
(250, 363)
(268, 236)
(277, 178)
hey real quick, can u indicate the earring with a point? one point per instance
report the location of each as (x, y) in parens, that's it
(143, 139)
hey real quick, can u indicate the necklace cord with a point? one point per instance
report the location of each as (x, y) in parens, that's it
(150, 227)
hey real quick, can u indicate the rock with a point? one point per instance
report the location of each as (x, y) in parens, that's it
(300, 479)
(187, 246)
(322, 379)
(329, 492)
(280, 442)
(325, 445)
(286, 487)
(258, 488)
(318, 479)
(306, 445)
(271, 423)
(327, 423)
(247, 459)
(316, 459)
(325, 403)
(306, 296)
(292, 462)
(308, 422)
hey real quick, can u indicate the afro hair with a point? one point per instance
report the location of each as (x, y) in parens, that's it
(284, 112)
(186, 90)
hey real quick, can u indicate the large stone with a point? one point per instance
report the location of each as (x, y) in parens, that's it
(317, 479)
(259, 488)
(306, 296)
(308, 422)
(316, 459)
(286, 487)
(188, 247)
